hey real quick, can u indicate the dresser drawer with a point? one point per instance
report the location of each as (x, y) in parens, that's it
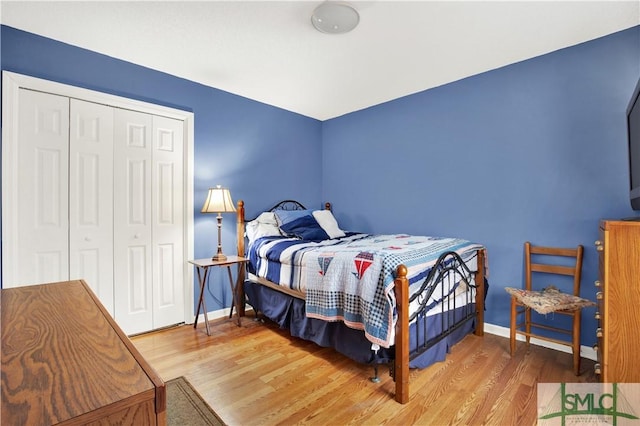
(618, 298)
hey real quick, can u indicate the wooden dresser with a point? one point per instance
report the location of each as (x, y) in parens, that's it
(618, 297)
(65, 361)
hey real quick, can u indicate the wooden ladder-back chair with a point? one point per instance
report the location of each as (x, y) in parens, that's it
(546, 260)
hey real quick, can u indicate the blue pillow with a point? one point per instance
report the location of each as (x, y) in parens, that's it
(306, 228)
(286, 216)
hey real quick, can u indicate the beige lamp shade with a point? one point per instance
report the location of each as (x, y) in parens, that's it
(218, 201)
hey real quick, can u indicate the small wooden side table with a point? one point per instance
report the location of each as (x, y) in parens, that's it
(202, 269)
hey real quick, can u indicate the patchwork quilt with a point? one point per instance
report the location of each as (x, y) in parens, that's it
(350, 279)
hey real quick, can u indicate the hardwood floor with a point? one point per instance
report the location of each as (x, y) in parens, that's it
(259, 375)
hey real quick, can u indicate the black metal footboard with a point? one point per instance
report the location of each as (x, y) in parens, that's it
(444, 303)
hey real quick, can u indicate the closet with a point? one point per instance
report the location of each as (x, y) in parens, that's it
(96, 191)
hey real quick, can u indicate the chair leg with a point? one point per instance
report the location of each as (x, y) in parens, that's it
(576, 343)
(512, 326)
(527, 324)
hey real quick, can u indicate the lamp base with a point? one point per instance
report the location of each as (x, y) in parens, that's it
(219, 257)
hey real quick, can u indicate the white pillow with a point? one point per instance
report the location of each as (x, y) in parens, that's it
(328, 223)
(264, 225)
(267, 218)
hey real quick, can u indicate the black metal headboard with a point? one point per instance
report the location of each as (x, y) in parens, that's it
(287, 205)
(283, 205)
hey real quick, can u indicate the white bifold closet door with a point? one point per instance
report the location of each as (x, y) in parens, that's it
(148, 220)
(39, 206)
(100, 196)
(168, 221)
(91, 198)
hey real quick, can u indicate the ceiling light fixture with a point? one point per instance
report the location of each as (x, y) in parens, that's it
(335, 18)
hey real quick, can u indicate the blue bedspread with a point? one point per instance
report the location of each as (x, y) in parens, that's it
(351, 278)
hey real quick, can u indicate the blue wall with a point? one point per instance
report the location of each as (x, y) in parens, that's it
(532, 151)
(253, 149)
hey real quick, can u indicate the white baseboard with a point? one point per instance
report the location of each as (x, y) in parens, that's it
(220, 313)
(498, 330)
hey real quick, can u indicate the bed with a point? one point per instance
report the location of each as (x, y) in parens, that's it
(398, 300)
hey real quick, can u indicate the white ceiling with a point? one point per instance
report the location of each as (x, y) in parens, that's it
(270, 52)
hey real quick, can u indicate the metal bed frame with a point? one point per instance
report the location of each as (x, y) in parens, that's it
(449, 266)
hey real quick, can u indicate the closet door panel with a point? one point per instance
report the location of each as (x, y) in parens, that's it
(39, 223)
(97, 190)
(132, 221)
(91, 198)
(168, 221)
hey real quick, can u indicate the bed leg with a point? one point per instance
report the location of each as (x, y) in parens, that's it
(480, 275)
(258, 316)
(375, 378)
(240, 251)
(401, 363)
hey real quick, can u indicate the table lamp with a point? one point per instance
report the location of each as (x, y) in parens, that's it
(218, 201)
